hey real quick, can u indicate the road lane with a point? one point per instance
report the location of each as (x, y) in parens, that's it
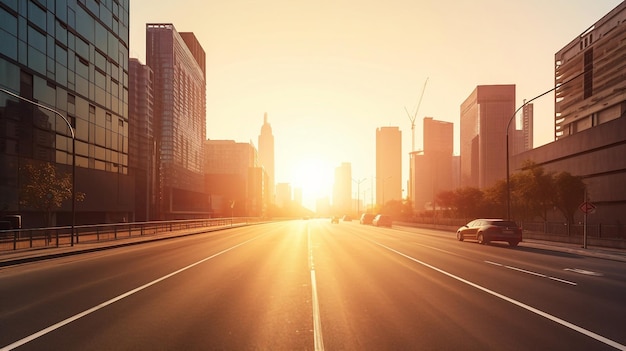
(303, 285)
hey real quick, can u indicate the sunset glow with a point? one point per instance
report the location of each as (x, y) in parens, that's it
(329, 73)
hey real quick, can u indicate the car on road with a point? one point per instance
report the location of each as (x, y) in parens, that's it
(346, 218)
(366, 218)
(486, 230)
(382, 220)
(334, 219)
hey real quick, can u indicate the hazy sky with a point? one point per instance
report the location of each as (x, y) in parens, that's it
(328, 73)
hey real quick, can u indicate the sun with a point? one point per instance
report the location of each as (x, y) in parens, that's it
(314, 177)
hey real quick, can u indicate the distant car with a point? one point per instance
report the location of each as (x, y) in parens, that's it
(346, 218)
(334, 219)
(382, 220)
(487, 230)
(366, 218)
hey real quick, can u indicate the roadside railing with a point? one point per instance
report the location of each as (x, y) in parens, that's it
(17, 239)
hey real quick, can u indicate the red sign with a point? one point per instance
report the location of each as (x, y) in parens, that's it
(587, 207)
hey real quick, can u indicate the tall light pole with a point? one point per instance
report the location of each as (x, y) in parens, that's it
(358, 192)
(69, 125)
(508, 125)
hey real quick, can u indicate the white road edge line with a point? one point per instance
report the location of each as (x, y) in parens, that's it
(555, 319)
(111, 301)
(317, 320)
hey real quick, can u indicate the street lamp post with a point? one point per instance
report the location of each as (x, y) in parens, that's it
(508, 125)
(69, 125)
(358, 192)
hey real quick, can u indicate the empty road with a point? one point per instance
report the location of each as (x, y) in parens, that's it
(313, 285)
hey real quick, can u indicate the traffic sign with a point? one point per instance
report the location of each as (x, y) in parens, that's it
(587, 207)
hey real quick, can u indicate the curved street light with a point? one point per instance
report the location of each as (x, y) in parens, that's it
(69, 125)
(508, 125)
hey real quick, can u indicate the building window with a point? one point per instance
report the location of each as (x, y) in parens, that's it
(588, 75)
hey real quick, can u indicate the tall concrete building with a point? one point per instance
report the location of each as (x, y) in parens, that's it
(233, 179)
(178, 63)
(266, 157)
(590, 121)
(142, 144)
(484, 118)
(388, 164)
(589, 77)
(431, 170)
(70, 56)
(342, 189)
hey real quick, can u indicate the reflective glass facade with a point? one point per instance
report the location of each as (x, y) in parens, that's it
(71, 56)
(178, 63)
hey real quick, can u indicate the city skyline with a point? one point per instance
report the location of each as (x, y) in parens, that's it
(325, 72)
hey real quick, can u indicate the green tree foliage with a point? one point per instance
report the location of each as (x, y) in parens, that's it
(569, 194)
(534, 192)
(44, 189)
(469, 202)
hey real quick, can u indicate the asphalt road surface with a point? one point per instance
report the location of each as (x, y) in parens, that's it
(313, 285)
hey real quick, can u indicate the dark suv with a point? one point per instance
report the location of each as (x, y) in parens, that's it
(487, 230)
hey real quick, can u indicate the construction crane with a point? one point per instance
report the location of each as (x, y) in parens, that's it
(413, 117)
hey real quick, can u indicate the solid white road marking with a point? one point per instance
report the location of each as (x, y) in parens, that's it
(317, 320)
(112, 301)
(531, 273)
(555, 319)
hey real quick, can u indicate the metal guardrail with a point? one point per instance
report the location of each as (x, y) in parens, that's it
(17, 239)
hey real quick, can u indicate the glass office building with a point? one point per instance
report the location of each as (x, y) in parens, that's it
(178, 63)
(71, 56)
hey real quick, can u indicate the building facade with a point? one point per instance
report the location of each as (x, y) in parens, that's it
(590, 88)
(142, 144)
(484, 118)
(178, 63)
(342, 189)
(234, 179)
(590, 120)
(388, 164)
(71, 57)
(432, 169)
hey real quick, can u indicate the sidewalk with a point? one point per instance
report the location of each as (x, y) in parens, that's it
(590, 251)
(15, 257)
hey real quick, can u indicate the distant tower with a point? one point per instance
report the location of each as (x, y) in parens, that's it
(266, 155)
(342, 189)
(484, 116)
(388, 164)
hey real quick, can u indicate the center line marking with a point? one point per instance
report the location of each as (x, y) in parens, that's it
(317, 320)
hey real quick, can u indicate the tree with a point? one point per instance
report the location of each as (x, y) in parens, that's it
(569, 194)
(44, 189)
(469, 202)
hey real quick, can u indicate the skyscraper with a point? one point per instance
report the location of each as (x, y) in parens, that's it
(72, 57)
(484, 117)
(266, 156)
(431, 170)
(342, 189)
(388, 164)
(178, 63)
(141, 149)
